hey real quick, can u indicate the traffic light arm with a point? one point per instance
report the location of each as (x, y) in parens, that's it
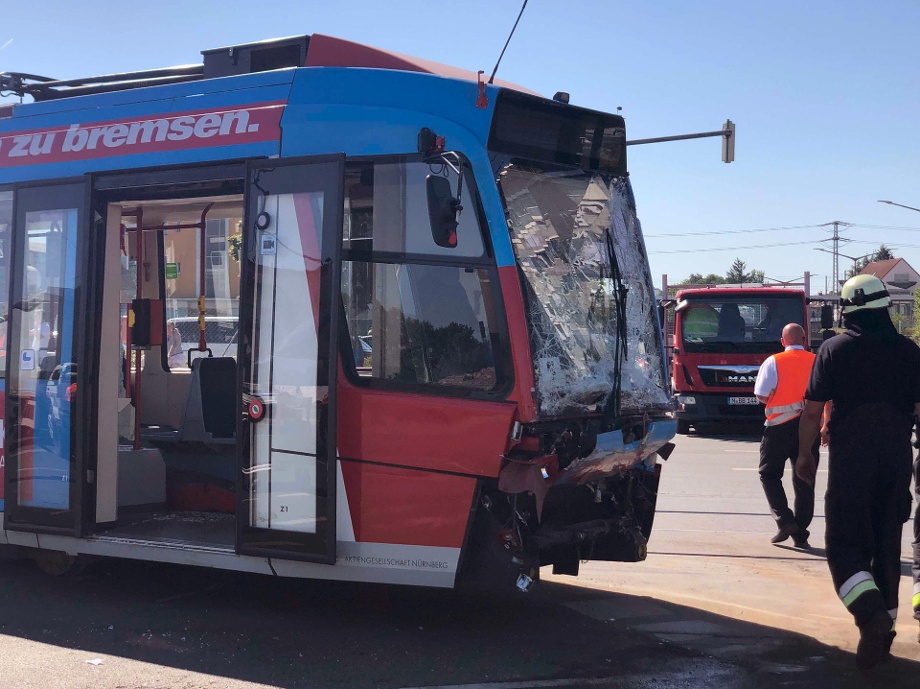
(727, 133)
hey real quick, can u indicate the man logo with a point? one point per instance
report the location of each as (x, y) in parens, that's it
(739, 378)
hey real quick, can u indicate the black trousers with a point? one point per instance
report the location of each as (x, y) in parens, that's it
(779, 445)
(915, 567)
(867, 503)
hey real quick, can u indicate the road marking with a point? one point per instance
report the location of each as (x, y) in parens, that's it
(525, 684)
(820, 471)
(533, 684)
(679, 679)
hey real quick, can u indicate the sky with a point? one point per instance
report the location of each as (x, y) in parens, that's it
(824, 95)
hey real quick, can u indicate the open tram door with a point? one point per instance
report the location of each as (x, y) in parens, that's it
(289, 320)
(45, 490)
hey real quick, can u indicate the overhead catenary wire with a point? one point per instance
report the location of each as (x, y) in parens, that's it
(779, 229)
(898, 245)
(717, 232)
(733, 248)
(773, 229)
(887, 227)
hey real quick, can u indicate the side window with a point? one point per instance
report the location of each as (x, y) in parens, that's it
(182, 270)
(386, 209)
(422, 324)
(419, 319)
(6, 221)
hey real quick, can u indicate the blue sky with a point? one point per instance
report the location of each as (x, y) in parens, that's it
(824, 94)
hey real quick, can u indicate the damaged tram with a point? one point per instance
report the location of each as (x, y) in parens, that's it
(318, 310)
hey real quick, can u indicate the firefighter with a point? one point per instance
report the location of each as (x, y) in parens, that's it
(780, 385)
(871, 374)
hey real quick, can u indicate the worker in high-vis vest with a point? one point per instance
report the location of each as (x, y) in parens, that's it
(780, 385)
(872, 376)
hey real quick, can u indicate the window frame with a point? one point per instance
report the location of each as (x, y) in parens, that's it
(5, 325)
(504, 371)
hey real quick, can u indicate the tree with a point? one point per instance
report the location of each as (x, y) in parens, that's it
(737, 274)
(883, 254)
(913, 332)
(700, 279)
(234, 246)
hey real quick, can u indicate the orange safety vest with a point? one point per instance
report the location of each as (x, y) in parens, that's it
(793, 368)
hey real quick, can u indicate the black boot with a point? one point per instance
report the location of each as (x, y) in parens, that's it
(875, 637)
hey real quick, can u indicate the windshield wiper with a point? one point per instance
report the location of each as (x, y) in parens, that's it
(612, 408)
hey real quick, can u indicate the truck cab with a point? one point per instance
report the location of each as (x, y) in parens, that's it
(721, 337)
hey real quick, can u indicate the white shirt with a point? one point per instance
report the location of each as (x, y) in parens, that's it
(767, 379)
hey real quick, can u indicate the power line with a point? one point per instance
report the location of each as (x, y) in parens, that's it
(899, 244)
(733, 248)
(825, 227)
(715, 232)
(888, 227)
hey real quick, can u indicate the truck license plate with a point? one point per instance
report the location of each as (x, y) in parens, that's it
(743, 400)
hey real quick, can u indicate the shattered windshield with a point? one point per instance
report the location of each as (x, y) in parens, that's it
(590, 298)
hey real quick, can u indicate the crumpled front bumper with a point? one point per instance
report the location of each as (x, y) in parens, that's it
(612, 455)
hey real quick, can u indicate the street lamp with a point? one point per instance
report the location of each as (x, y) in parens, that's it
(892, 203)
(852, 258)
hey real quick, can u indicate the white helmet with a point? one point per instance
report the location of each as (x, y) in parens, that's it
(862, 292)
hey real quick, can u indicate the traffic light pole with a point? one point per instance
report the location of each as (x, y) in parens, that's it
(727, 133)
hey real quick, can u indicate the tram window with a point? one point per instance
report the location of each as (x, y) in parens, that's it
(182, 266)
(44, 284)
(386, 209)
(6, 217)
(422, 324)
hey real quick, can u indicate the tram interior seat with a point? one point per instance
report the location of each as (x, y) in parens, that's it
(164, 392)
(210, 411)
(200, 451)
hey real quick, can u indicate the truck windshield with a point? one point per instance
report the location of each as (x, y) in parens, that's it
(588, 290)
(742, 323)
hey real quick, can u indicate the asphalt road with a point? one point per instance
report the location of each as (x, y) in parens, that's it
(713, 606)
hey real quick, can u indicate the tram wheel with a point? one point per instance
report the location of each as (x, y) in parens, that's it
(56, 563)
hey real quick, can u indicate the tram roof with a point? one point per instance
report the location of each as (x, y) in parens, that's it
(316, 50)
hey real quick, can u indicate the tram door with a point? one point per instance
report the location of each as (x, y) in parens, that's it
(288, 358)
(44, 454)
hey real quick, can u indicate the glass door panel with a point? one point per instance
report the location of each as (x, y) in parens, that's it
(292, 237)
(42, 479)
(6, 223)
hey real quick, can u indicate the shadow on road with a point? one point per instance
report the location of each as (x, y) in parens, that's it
(292, 633)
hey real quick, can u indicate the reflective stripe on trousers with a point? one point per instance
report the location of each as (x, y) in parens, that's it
(855, 586)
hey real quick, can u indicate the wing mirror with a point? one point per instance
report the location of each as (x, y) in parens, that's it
(443, 211)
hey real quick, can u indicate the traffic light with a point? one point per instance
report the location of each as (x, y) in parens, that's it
(728, 141)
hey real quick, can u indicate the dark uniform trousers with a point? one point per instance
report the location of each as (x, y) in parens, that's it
(867, 503)
(915, 567)
(780, 444)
